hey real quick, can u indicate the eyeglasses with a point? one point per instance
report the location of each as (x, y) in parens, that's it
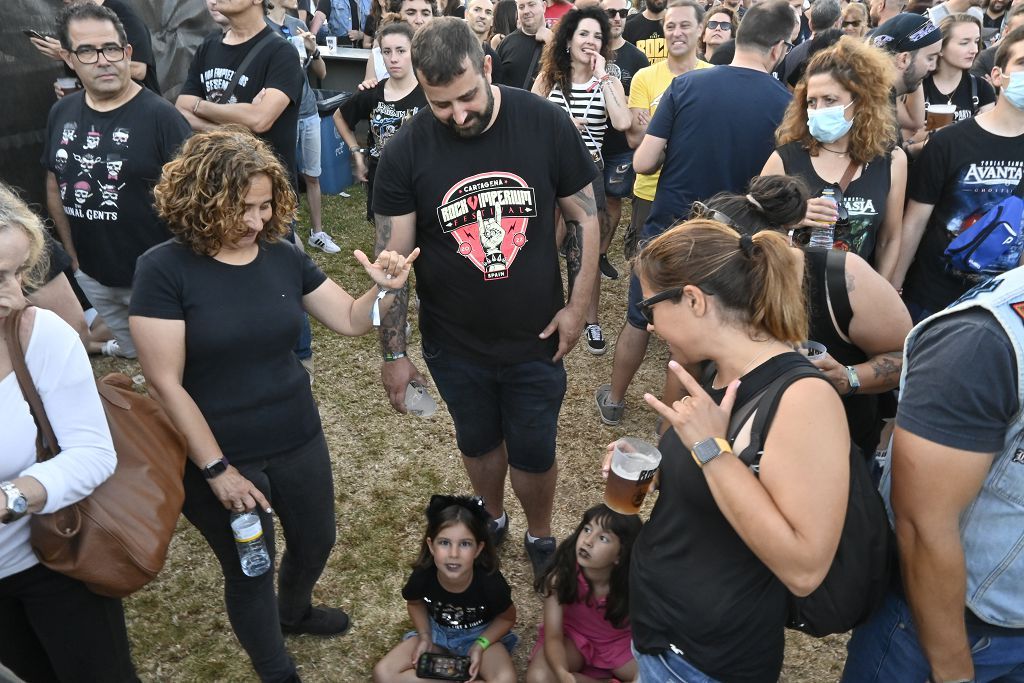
(87, 54)
(854, 24)
(789, 46)
(702, 210)
(620, 13)
(720, 25)
(646, 306)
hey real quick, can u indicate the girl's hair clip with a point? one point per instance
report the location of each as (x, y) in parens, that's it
(438, 503)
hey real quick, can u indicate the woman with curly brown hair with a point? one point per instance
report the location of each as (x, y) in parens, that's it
(216, 312)
(574, 74)
(839, 132)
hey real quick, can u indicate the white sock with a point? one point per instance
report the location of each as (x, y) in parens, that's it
(500, 522)
(531, 539)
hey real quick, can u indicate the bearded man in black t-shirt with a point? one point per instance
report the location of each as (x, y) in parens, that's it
(474, 184)
(645, 30)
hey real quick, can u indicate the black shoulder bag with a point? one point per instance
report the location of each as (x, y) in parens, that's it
(225, 97)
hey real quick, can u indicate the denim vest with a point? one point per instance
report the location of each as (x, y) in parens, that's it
(992, 526)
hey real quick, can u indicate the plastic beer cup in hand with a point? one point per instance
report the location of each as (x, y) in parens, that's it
(418, 400)
(812, 349)
(939, 116)
(634, 464)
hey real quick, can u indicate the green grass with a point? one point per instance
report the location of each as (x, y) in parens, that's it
(386, 466)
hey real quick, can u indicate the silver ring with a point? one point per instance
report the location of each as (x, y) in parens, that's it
(685, 399)
(389, 276)
(239, 506)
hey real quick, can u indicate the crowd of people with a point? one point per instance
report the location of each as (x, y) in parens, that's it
(825, 207)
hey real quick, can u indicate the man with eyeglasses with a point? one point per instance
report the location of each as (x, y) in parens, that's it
(711, 130)
(618, 155)
(105, 148)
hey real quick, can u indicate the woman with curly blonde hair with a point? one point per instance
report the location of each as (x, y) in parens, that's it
(839, 132)
(215, 313)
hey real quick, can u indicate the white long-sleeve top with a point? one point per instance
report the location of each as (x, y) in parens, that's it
(63, 376)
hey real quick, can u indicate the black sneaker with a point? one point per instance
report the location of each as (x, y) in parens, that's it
(540, 553)
(319, 621)
(498, 533)
(607, 269)
(595, 339)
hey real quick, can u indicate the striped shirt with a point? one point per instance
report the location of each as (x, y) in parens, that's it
(586, 103)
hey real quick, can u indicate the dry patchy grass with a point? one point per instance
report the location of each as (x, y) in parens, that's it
(386, 466)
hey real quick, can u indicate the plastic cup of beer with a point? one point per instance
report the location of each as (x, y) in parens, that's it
(634, 464)
(68, 85)
(939, 116)
(418, 400)
(812, 349)
(332, 43)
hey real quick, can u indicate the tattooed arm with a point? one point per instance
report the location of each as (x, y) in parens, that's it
(879, 327)
(619, 115)
(397, 233)
(580, 213)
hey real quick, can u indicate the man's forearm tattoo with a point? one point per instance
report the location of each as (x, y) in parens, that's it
(573, 251)
(392, 324)
(585, 200)
(887, 365)
(383, 224)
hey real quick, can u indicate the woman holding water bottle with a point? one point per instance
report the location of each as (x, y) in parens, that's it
(839, 135)
(712, 569)
(216, 311)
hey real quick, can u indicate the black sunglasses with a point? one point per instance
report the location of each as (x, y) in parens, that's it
(855, 24)
(702, 210)
(646, 305)
(723, 25)
(620, 13)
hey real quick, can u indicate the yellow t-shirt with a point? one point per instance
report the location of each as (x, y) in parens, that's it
(645, 93)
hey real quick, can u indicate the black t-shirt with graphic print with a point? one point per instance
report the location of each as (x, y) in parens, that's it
(488, 276)
(486, 598)
(963, 171)
(276, 66)
(385, 117)
(648, 35)
(628, 60)
(106, 164)
(962, 96)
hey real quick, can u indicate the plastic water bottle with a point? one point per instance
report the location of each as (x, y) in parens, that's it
(252, 549)
(825, 236)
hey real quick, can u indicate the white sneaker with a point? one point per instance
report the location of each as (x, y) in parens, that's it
(113, 349)
(321, 240)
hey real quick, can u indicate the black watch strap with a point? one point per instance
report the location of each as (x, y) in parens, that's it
(215, 468)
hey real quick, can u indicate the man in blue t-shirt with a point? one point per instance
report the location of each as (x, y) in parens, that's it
(712, 132)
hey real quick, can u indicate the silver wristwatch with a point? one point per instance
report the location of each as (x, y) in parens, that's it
(853, 378)
(17, 503)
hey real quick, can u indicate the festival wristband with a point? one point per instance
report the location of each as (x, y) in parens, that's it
(195, 107)
(483, 643)
(375, 309)
(390, 356)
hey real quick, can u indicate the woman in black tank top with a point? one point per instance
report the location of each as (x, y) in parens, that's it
(840, 132)
(854, 312)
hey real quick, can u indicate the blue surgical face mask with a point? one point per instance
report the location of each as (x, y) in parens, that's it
(829, 124)
(1014, 90)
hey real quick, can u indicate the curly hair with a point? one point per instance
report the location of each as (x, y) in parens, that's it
(201, 194)
(15, 215)
(867, 73)
(714, 11)
(556, 64)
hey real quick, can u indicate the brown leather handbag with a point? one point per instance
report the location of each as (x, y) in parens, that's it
(115, 540)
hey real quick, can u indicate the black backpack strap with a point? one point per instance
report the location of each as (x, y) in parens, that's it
(528, 82)
(974, 93)
(835, 287)
(225, 97)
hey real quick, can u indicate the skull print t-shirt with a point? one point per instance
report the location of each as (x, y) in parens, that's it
(487, 597)
(488, 275)
(106, 164)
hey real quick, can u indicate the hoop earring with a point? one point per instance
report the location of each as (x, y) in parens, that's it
(566, 49)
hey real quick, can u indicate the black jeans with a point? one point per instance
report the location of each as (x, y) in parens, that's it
(53, 628)
(300, 488)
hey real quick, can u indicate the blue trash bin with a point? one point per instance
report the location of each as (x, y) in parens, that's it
(335, 159)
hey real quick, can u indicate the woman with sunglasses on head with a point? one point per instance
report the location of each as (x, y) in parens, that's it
(574, 76)
(719, 26)
(742, 540)
(839, 134)
(854, 312)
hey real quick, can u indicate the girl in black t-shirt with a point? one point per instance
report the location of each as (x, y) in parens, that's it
(457, 598)
(952, 82)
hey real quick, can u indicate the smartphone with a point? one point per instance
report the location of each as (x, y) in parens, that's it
(442, 667)
(32, 33)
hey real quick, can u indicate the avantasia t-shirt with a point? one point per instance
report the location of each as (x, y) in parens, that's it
(106, 164)
(488, 276)
(963, 171)
(487, 596)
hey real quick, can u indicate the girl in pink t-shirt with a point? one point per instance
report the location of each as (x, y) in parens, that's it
(586, 603)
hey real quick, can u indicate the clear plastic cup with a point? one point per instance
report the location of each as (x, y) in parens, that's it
(812, 349)
(332, 43)
(634, 464)
(418, 400)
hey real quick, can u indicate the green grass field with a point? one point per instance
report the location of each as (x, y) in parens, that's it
(386, 466)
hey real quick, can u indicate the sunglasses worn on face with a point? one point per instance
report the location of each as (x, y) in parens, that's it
(854, 24)
(620, 13)
(646, 306)
(722, 25)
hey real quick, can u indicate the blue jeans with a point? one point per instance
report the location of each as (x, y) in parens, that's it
(457, 641)
(917, 311)
(668, 667)
(618, 175)
(515, 404)
(886, 649)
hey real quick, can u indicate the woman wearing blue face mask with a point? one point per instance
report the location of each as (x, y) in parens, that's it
(839, 132)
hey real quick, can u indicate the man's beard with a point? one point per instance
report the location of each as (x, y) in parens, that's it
(476, 123)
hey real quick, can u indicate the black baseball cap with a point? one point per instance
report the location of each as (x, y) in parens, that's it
(905, 33)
